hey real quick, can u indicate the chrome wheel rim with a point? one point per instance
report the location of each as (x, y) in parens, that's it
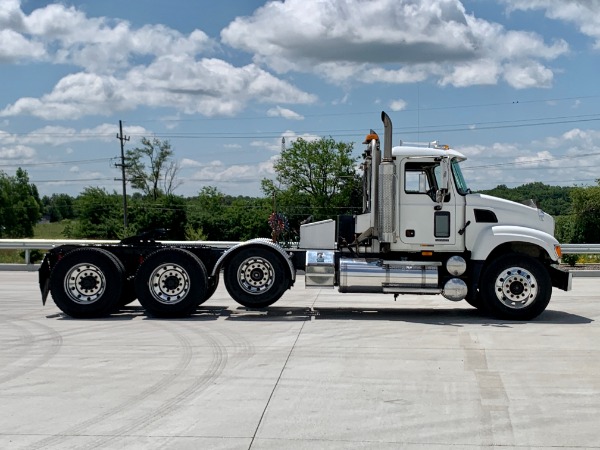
(85, 283)
(256, 275)
(169, 283)
(516, 288)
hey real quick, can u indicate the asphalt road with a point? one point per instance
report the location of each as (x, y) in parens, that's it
(317, 370)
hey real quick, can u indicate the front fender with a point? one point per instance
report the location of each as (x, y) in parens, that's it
(258, 242)
(494, 236)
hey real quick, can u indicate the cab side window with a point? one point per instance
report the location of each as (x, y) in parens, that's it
(423, 178)
(412, 179)
(419, 178)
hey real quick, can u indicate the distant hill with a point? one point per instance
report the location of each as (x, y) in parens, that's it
(555, 200)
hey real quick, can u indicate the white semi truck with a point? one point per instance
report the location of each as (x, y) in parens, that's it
(422, 231)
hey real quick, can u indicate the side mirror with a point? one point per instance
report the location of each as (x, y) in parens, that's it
(445, 180)
(422, 183)
(445, 166)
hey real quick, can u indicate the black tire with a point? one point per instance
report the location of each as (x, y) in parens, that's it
(87, 282)
(256, 277)
(476, 301)
(210, 290)
(128, 296)
(515, 287)
(171, 282)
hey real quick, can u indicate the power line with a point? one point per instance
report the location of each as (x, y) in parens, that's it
(518, 163)
(56, 163)
(75, 180)
(370, 113)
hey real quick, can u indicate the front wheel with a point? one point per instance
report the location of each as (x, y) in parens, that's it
(515, 287)
(256, 277)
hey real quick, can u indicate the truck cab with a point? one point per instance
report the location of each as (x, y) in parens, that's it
(423, 231)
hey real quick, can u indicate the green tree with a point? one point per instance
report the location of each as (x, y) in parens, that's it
(206, 212)
(151, 169)
(315, 178)
(58, 207)
(167, 212)
(216, 216)
(555, 200)
(20, 205)
(247, 218)
(585, 226)
(99, 215)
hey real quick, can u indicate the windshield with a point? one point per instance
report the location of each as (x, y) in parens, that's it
(461, 184)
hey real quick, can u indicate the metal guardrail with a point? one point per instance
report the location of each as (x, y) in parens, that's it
(27, 245)
(580, 249)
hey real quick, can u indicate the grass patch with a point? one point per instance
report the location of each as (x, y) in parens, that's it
(11, 257)
(52, 230)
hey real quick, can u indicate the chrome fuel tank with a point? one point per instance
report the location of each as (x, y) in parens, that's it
(378, 276)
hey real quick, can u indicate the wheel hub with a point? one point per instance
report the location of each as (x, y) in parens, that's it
(516, 288)
(85, 283)
(169, 283)
(256, 275)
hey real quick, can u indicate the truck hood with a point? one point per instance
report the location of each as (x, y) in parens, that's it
(511, 213)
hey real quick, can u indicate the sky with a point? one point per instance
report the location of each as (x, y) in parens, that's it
(512, 84)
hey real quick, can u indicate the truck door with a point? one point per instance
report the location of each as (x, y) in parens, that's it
(425, 220)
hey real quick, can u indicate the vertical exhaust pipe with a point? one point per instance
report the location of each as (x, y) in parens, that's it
(387, 186)
(387, 136)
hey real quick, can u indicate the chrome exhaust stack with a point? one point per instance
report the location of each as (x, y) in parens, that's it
(387, 187)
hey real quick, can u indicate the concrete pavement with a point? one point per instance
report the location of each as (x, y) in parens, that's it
(319, 369)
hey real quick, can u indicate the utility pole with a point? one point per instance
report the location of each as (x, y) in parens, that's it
(123, 166)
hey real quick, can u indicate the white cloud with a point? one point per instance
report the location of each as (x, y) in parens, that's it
(187, 162)
(126, 67)
(398, 105)
(17, 152)
(584, 14)
(15, 47)
(209, 86)
(397, 41)
(528, 74)
(569, 158)
(97, 44)
(542, 157)
(278, 111)
(58, 135)
(235, 173)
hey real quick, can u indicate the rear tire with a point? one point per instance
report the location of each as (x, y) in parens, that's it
(475, 301)
(256, 277)
(87, 282)
(211, 288)
(515, 287)
(128, 296)
(171, 282)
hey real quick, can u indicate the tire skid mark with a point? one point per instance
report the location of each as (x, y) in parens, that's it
(242, 348)
(163, 383)
(222, 358)
(198, 385)
(494, 403)
(49, 336)
(22, 338)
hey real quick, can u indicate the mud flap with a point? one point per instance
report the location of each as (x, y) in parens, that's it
(560, 279)
(44, 278)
